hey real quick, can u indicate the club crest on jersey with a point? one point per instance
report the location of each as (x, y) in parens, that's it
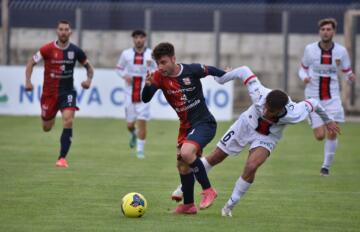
(186, 81)
(71, 55)
(338, 62)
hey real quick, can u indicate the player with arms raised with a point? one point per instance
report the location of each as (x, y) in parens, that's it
(58, 93)
(319, 71)
(182, 88)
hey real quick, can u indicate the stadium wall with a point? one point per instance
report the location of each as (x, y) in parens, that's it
(261, 52)
(105, 98)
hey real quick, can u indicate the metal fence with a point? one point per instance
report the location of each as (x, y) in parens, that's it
(262, 18)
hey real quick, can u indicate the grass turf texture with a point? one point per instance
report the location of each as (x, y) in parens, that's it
(288, 194)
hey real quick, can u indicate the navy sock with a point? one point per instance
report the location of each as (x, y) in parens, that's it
(188, 182)
(65, 142)
(200, 173)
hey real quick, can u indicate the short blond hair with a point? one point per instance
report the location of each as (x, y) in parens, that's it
(325, 21)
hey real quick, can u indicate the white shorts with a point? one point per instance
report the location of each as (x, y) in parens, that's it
(137, 111)
(240, 134)
(333, 108)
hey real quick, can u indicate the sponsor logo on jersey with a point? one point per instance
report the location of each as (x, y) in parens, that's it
(183, 98)
(267, 144)
(71, 55)
(138, 58)
(291, 106)
(190, 89)
(187, 81)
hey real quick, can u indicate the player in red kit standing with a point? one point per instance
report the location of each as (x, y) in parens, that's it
(58, 93)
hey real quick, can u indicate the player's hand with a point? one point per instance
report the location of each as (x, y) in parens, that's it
(128, 80)
(149, 78)
(352, 78)
(333, 127)
(86, 84)
(307, 80)
(228, 69)
(29, 86)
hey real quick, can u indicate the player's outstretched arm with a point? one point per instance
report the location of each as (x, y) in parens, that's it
(242, 73)
(213, 71)
(255, 89)
(89, 73)
(330, 124)
(28, 72)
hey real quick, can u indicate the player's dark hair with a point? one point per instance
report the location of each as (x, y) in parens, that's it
(331, 21)
(63, 21)
(277, 99)
(163, 49)
(138, 32)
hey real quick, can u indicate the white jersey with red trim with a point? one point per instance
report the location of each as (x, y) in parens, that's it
(323, 67)
(293, 113)
(135, 65)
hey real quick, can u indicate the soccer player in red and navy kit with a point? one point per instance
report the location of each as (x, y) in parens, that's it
(58, 93)
(182, 88)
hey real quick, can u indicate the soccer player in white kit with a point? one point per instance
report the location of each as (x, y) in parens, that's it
(319, 71)
(260, 126)
(132, 66)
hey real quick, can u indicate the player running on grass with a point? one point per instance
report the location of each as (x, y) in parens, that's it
(260, 126)
(58, 93)
(132, 66)
(182, 88)
(319, 72)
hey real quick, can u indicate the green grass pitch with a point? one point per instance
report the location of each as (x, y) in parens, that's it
(288, 193)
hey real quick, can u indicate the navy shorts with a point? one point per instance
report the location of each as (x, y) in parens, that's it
(51, 104)
(68, 100)
(200, 134)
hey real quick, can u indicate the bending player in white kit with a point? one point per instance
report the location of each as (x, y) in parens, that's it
(261, 127)
(133, 65)
(319, 71)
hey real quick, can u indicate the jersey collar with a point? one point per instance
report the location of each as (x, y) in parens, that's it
(332, 46)
(181, 70)
(56, 45)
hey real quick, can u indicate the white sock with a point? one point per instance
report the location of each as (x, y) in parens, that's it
(241, 187)
(206, 164)
(329, 152)
(140, 145)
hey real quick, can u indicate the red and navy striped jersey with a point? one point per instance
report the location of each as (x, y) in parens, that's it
(59, 66)
(184, 92)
